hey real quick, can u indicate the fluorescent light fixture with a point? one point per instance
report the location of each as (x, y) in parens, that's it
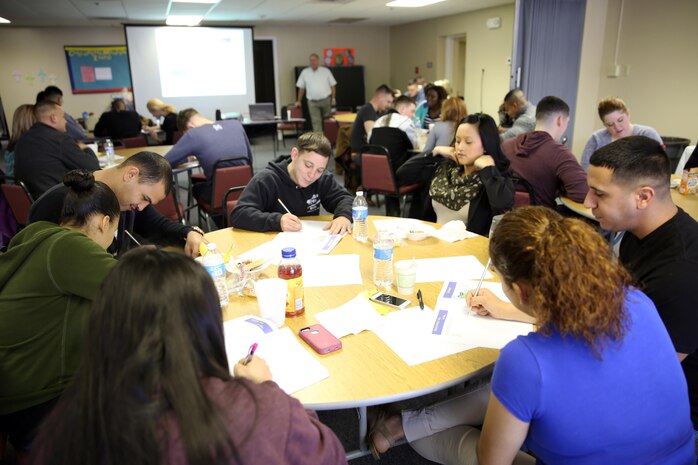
(412, 3)
(3, 20)
(206, 2)
(184, 20)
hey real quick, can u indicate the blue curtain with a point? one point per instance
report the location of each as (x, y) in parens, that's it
(549, 35)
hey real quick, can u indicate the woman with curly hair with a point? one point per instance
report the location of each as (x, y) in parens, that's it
(598, 383)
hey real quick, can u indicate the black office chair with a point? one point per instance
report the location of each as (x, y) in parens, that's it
(397, 143)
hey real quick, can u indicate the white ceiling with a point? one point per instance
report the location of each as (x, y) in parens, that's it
(249, 12)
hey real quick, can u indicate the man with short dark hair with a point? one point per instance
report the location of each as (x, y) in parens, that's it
(538, 158)
(302, 184)
(629, 190)
(401, 118)
(521, 111)
(319, 85)
(209, 141)
(139, 182)
(73, 128)
(45, 152)
(119, 123)
(365, 118)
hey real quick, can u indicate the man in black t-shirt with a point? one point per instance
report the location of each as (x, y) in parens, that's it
(629, 191)
(139, 182)
(368, 114)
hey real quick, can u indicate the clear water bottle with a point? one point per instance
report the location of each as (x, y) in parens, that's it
(109, 152)
(214, 264)
(383, 244)
(359, 213)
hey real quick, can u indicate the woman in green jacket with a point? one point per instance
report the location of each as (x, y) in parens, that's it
(48, 277)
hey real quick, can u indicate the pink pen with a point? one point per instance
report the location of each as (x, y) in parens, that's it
(250, 353)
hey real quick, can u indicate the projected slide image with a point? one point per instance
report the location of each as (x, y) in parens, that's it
(199, 62)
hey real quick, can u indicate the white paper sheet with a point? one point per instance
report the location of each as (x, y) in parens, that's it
(331, 270)
(449, 268)
(292, 366)
(312, 241)
(408, 334)
(401, 226)
(454, 322)
(350, 318)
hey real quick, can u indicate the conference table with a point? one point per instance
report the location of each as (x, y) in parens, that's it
(688, 203)
(365, 372)
(346, 118)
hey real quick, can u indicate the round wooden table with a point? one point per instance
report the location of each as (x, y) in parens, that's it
(366, 372)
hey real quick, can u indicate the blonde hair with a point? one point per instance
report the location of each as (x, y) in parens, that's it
(157, 104)
(22, 120)
(453, 109)
(554, 255)
(611, 104)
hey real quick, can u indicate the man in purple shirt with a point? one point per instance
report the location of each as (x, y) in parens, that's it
(538, 158)
(208, 141)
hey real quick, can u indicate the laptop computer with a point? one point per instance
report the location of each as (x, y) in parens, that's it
(262, 112)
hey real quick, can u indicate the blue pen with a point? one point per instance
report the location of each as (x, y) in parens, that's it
(250, 353)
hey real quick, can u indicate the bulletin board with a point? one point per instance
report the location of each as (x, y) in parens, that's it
(95, 69)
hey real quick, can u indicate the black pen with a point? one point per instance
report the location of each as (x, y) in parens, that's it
(419, 297)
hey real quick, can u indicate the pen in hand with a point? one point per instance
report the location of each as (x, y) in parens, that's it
(285, 207)
(479, 284)
(132, 238)
(250, 353)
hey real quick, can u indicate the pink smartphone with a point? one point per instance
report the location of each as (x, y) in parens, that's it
(321, 340)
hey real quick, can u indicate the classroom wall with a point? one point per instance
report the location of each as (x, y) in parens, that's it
(657, 42)
(31, 50)
(33, 58)
(294, 45)
(416, 44)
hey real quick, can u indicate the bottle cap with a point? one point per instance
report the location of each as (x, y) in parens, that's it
(211, 247)
(288, 252)
(360, 193)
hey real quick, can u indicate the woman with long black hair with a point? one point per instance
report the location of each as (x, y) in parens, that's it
(155, 385)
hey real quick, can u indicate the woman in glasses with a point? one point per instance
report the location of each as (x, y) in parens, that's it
(474, 184)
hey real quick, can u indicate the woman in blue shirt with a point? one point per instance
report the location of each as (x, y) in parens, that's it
(598, 383)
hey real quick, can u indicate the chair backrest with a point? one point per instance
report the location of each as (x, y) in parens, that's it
(331, 129)
(19, 199)
(295, 112)
(396, 141)
(132, 142)
(230, 199)
(376, 171)
(523, 193)
(226, 176)
(170, 207)
(176, 136)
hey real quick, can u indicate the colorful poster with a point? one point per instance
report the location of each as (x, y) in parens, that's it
(96, 69)
(339, 57)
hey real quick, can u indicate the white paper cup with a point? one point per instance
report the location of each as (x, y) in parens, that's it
(271, 296)
(406, 273)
